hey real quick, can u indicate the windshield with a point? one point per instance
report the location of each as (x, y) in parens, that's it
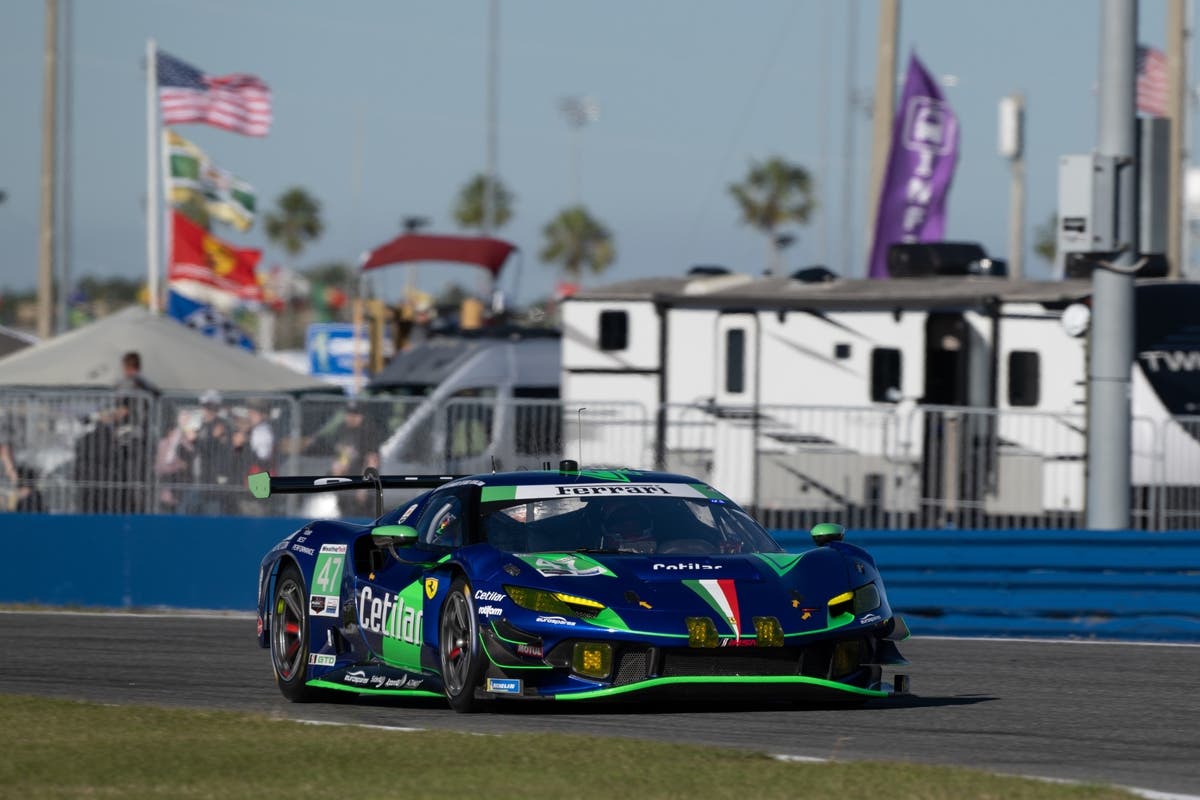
(665, 525)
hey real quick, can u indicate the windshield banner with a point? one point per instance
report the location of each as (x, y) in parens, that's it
(552, 490)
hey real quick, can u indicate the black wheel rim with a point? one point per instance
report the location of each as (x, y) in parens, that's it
(456, 642)
(287, 630)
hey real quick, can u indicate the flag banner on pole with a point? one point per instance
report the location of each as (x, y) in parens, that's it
(924, 151)
(203, 318)
(193, 176)
(1151, 81)
(208, 269)
(239, 103)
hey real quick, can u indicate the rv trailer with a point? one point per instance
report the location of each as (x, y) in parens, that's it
(923, 400)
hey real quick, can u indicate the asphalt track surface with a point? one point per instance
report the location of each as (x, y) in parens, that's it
(1117, 713)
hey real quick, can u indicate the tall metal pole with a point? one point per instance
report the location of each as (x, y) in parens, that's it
(885, 104)
(63, 271)
(45, 295)
(1016, 203)
(1110, 357)
(493, 67)
(152, 175)
(849, 268)
(823, 182)
(1177, 109)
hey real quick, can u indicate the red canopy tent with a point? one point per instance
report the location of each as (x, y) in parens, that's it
(482, 251)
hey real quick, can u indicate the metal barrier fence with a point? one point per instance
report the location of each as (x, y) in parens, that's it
(792, 466)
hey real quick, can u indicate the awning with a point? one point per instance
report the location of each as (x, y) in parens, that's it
(481, 251)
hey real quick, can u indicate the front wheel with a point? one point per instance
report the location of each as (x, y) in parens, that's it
(290, 638)
(458, 639)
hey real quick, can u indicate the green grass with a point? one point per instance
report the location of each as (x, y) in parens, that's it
(58, 748)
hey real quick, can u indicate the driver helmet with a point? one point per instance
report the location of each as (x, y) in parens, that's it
(628, 526)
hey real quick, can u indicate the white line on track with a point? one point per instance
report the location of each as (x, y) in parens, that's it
(397, 728)
(1148, 794)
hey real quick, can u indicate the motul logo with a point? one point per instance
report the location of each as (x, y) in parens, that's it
(1171, 360)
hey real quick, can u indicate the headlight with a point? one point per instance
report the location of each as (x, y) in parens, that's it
(841, 604)
(858, 602)
(866, 598)
(558, 603)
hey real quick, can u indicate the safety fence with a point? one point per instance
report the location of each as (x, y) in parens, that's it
(791, 466)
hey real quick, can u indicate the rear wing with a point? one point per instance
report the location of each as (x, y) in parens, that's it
(262, 485)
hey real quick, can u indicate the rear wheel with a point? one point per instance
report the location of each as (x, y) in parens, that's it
(290, 638)
(458, 640)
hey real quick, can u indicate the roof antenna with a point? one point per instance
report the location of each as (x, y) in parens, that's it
(493, 464)
(579, 415)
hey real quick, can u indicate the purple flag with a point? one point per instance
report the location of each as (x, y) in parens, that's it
(912, 200)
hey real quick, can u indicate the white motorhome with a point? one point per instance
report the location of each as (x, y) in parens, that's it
(911, 395)
(472, 402)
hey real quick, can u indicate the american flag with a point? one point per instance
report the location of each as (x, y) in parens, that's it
(1151, 81)
(239, 103)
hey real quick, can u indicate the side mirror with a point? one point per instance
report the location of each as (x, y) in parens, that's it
(401, 535)
(825, 532)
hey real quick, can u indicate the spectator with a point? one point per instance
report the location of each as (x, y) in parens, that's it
(131, 420)
(132, 379)
(209, 455)
(353, 445)
(94, 464)
(8, 470)
(241, 463)
(261, 438)
(29, 497)
(171, 464)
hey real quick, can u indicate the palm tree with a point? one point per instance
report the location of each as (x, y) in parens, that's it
(469, 208)
(295, 222)
(774, 193)
(574, 240)
(1045, 239)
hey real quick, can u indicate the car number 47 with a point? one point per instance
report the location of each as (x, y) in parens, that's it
(328, 575)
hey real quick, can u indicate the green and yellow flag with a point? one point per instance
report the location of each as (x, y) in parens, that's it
(193, 177)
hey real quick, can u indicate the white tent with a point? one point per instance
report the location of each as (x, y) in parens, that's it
(174, 358)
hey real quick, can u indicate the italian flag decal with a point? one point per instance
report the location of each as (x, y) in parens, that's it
(721, 595)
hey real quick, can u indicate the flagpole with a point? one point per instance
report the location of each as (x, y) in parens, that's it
(152, 165)
(164, 162)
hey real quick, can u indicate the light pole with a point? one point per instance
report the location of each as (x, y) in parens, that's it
(579, 110)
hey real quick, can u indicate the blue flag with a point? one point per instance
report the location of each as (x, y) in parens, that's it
(207, 320)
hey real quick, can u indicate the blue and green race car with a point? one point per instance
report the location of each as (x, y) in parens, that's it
(567, 584)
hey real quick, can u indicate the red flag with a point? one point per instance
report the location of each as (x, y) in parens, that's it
(214, 267)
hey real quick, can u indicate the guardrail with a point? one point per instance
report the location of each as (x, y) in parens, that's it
(1102, 584)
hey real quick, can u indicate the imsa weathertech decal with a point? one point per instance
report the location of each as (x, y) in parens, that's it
(327, 580)
(722, 597)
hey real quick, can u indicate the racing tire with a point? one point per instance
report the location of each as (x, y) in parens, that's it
(289, 629)
(462, 658)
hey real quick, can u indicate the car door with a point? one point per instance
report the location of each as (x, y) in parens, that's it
(391, 601)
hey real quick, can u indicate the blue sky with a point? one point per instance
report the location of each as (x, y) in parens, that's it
(380, 111)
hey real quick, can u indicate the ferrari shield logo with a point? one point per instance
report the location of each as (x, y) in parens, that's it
(431, 587)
